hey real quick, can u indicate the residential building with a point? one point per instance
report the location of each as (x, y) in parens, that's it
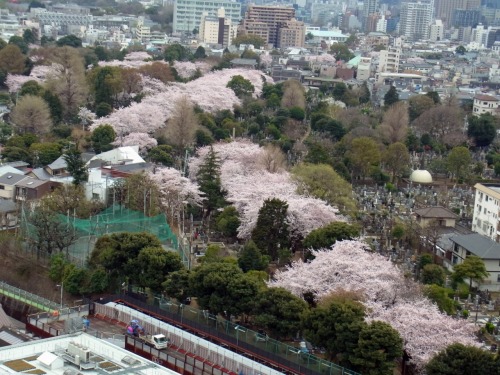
(31, 189)
(465, 17)
(9, 25)
(436, 31)
(483, 247)
(364, 69)
(280, 73)
(486, 213)
(370, 8)
(415, 18)
(389, 60)
(258, 18)
(377, 39)
(444, 9)
(323, 12)
(188, 13)
(381, 25)
(485, 104)
(142, 32)
(8, 183)
(440, 216)
(291, 33)
(217, 30)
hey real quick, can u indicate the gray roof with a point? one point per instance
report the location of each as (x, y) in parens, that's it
(239, 61)
(41, 174)
(30, 182)
(86, 156)
(479, 245)
(59, 163)
(17, 164)
(6, 205)
(436, 212)
(11, 178)
(136, 167)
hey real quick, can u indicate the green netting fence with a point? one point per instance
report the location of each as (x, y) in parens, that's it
(116, 218)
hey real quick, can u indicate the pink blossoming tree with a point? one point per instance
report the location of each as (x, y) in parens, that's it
(387, 294)
(248, 183)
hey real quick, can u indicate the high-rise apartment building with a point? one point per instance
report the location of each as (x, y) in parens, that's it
(291, 34)
(415, 19)
(465, 17)
(266, 21)
(217, 30)
(187, 13)
(444, 8)
(370, 14)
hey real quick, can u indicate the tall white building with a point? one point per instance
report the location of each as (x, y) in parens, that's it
(436, 31)
(381, 25)
(389, 60)
(217, 30)
(187, 13)
(415, 19)
(485, 220)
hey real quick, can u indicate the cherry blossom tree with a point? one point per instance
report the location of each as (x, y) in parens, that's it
(187, 69)
(143, 140)
(248, 184)
(266, 60)
(208, 92)
(86, 116)
(175, 190)
(137, 56)
(39, 73)
(388, 296)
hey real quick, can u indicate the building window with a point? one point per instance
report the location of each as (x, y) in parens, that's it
(498, 277)
(2, 187)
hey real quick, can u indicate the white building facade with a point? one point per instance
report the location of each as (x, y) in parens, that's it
(188, 13)
(486, 211)
(415, 19)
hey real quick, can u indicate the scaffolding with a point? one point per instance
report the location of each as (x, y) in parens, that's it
(116, 218)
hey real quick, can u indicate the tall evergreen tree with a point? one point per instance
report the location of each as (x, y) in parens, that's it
(209, 180)
(364, 96)
(76, 166)
(391, 97)
(271, 231)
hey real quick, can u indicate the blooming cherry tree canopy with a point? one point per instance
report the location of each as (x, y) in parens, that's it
(248, 184)
(39, 73)
(208, 92)
(175, 189)
(388, 296)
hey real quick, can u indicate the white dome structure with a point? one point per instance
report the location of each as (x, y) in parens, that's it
(421, 176)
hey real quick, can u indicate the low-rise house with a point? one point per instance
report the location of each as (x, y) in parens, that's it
(441, 216)
(8, 183)
(31, 188)
(482, 247)
(485, 104)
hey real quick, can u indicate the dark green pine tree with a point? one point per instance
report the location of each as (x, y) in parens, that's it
(76, 166)
(271, 231)
(208, 177)
(364, 96)
(391, 97)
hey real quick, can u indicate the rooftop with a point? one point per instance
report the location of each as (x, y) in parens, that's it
(479, 245)
(436, 212)
(11, 178)
(30, 182)
(56, 356)
(486, 98)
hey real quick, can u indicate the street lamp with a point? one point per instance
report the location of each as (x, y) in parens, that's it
(62, 291)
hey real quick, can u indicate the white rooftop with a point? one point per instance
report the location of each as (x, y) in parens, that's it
(129, 154)
(39, 354)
